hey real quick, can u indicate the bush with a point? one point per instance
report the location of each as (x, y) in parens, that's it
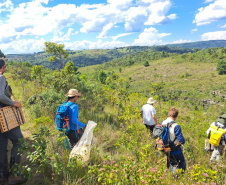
(221, 67)
(146, 64)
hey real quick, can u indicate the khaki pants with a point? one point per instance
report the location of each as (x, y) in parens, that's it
(216, 155)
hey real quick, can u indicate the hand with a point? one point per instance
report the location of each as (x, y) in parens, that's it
(17, 104)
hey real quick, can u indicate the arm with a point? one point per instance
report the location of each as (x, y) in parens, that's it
(3, 98)
(154, 117)
(74, 118)
(178, 134)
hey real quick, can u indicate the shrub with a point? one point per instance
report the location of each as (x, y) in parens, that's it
(221, 67)
(146, 64)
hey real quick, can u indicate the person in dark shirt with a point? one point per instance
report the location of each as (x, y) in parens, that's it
(14, 135)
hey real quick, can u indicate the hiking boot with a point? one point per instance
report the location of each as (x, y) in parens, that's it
(16, 180)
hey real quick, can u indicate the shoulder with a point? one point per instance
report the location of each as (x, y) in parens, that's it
(145, 106)
(2, 77)
(177, 127)
(73, 106)
(213, 124)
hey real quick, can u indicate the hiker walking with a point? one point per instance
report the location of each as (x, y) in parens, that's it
(14, 135)
(217, 137)
(176, 139)
(72, 124)
(148, 113)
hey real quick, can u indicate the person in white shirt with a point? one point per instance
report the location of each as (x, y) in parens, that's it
(148, 113)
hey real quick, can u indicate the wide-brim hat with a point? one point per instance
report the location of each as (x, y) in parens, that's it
(222, 119)
(151, 100)
(73, 92)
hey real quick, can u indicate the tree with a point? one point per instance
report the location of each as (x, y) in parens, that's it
(37, 73)
(70, 68)
(58, 52)
(146, 64)
(102, 76)
(221, 67)
(2, 54)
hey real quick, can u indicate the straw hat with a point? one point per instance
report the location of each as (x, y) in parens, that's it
(151, 100)
(73, 92)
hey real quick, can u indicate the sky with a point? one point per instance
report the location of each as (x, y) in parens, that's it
(104, 24)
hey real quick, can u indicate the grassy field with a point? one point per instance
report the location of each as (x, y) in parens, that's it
(123, 151)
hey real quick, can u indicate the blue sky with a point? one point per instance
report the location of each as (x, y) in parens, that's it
(101, 24)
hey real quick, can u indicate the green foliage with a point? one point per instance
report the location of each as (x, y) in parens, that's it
(26, 64)
(42, 122)
(122, 150)
(185, 75)
(70, 68)
(102, 76)
(57, 50)
(221, 67)
(146, 64)
(2, 54)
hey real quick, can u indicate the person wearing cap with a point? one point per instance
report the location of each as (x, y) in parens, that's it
(219, 150)
(74, 123)
(148, 113)
(14, 134)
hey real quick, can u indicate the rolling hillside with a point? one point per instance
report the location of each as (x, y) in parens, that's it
(122, 151)
(98, 56)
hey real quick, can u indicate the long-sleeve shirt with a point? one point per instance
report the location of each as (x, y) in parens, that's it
(177, 132)
(73, 115)
(4, 100)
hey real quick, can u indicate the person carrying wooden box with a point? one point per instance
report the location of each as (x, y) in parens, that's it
(14, 134)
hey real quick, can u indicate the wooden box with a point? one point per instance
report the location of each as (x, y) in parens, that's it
(10, 117)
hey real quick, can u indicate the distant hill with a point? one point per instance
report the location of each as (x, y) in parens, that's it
(200, 44)
(91, 57)
(98, 56)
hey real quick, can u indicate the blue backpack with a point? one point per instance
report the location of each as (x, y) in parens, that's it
(161, 134)
(62, 117)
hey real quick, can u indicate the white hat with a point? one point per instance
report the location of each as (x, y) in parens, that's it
(73, 92)
(151, 100)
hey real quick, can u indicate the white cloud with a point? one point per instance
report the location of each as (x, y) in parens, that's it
(213, 12)
(85, 44)
(194, 30)
(135, 19)
(23, 46)
(218, 35)
(224, 26)
(150, 37)
(181, 41)
(157, 12)
(120, 35)
(6, 6)
(38, 19)
(208, 1)
(106, 28)
(63, 38)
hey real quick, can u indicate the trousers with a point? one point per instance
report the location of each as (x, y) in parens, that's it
(177, 162)
(14, 135)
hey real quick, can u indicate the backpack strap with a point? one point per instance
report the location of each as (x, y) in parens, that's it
(216, 124)
(170, 124)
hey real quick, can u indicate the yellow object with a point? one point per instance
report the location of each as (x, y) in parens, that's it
(215, 136)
